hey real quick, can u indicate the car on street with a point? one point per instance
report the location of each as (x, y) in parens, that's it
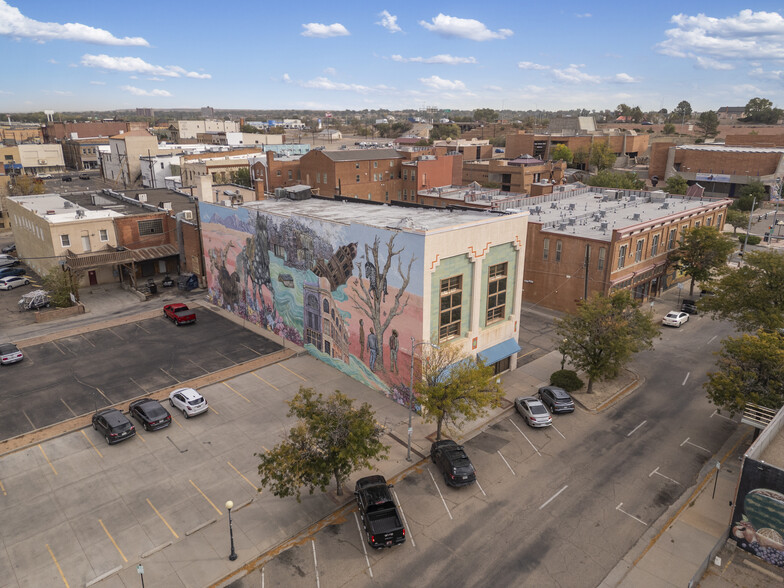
(150, 413)
(533, 411)
(113, 425)
(44, 176)
(84, 176)
(675, 319)
(556, 399)
(66, 178)
(11, 271)
(188, 401)
(8, 260)
(453, 462)
(11, 282)
(9, 353)
(690, 306)
(9, 248)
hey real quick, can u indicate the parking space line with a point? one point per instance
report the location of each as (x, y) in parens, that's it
(694, 445)
(686, 378)
(405, 522)
(3, 488)
(224, 356)
(658, 473)
(716, 413)
(105, 396)
(142, 328)
(115, 334)
(263, 380)
(315, 562)
(59, 569)
(47, 459)
(117, 547)
(524, 437)
(250, 349)
(140, 436)
(557, 431)
(213, 410)
(237, 393)
(139, 385)
(630, 433)
(205, 498)
(441, 495)
(200, 367)
(168, 374)
(629, 515)
(243, 477)
(176, 422)
(86, 339)
(58, 348)
(480, 487)
(91, 443)
(160, 516)
(28, 420)
(507, 463)
(362, 541)
(68, 407)
(553, 497)
(293, 373)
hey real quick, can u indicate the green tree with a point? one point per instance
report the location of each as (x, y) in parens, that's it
(59, 284)
(241, 177)
(636, 114)
(750, 369)
(562, 152)
(601, 156)
(676, 185)
(622, 180)
(451, 131)
(623, 110)
(26, 185)
(331, 440)
(760, 110)
(668, 129)
(682, 111)
(751, 296)
(454, 388)
(708, 123)
(702, 250)
(487, 115)
(751, 191)
(580, 157)
(604, 333)
(737, 219)
(249, 129)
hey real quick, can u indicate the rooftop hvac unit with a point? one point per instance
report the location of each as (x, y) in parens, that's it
(572, 206)
(227, 203)
(188, 214)
(636, 216)
(79, 213)
(553, 205)
(632, 197)
(167, 206)
(562, 227)
(67, 204)
(572, 220)
(280, 193)
(603, 213)
(666, 205)
(142, 197)
(603, 226)
(50, 212)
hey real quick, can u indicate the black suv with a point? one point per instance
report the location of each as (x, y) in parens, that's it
(113, 425)
(150, 414)
(689, 307)
(453, 462)
(556, 399)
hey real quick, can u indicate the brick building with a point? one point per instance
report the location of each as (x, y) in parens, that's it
(16, 133)
(513, 175)
(623, 143)
(82, 154)
(54, 132)
(274, 171)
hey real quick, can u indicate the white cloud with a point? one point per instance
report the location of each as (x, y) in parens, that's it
(286, 78)
(14, 24)
(6, 93)
(51, 60)
(710, 63)
(322, 31)
(531, 65)
(771, 74)
(140, 92)
(443, 58)
(573, 75)
(466, 28)
(330, 71)
(441, 84)
(584, 15)
(494, 88)
(322, 83)
(138, 65)
(625, 78)
(154, 79)
(389, 22)
(63, 92)
(97, 83)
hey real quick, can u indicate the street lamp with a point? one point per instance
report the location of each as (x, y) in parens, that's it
(233, 554)
(411, 392)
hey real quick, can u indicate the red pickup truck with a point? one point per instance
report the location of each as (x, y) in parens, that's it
(179, 313)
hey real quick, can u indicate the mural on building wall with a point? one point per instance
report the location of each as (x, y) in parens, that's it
(349, 294)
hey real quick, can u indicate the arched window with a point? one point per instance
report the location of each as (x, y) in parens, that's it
(325, 306)
(312, 301)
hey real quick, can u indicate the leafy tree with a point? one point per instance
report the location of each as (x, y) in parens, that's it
(682, 111)
(751, 296)
(580, 157)
(623, 110)
(562, 152)
(59, 284)
(601, 156)
(636, 114)
(241, 177)
(676, 185)
(668, 129)
(750, 369)
(487, 115)
(25, 185)
(737, 219)
(604, 333)
(249, 129)
(752, 190)
(708, 123)
(451, 131)
(454, 388)
(622, 180)
(760, 110)
(702, 250)
(332, 439)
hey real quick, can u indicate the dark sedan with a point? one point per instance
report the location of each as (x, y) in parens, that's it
(11, 271)
(113, 425)
(150, 414)
(556, 399)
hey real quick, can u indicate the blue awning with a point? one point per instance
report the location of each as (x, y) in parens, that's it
(498, 352)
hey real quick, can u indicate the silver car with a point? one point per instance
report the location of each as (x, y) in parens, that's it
(675, 318)
(533, 411)
(188, 401)
(9, 353)
(11, 282)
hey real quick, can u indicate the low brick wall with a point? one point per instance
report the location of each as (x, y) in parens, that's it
(58, 313)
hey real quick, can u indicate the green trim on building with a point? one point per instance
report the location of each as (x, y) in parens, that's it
(447, 268)
(499, 254)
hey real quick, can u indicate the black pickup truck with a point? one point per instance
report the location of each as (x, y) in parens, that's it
(379, 513)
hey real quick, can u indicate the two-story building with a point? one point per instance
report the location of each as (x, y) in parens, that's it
(513, 175)
(121, 164)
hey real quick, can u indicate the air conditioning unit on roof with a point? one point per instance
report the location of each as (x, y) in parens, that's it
(188, 214)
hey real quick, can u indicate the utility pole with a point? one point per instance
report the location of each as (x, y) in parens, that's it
(587, 263)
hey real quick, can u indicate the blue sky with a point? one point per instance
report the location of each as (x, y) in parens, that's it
(78, 54)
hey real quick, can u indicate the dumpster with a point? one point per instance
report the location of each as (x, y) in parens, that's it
(187, 282)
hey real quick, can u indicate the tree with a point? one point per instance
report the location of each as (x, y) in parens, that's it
(708, 123)
(241, 177)
(26, 185)
(451, 131)
(601, 156)
(737, 219)
(332, 439)
(760, 110)
(580, 157)
(636, 114)
(676, 185)
(702, 250)
(562, 152)
(249, 129)
(604, 333)
(750, 370)
(486, 115)
(59, 284)
(623, 110)
(668, 129)
(609, 179)
(753, 190)
(751, 296)
(682, 111)
(454, 388)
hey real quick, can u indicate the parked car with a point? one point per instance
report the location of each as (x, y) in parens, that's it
(9, 353)
(9, 248)
(675, 319)
(11, 282)
(378, 512)
(188, 401)
(8, 260)
(556, 399)
(453, 462)
(689, 306)
(150, 413)
(11, 271)
(533, 411)
(44, 176)
(84, 176)
(179, 313)
(66, 178)
(113, 425)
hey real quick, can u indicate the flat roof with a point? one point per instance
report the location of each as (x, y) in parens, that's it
(362, 154)
(56, 209)
(730, 148)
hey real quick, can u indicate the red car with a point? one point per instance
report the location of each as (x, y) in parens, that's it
(179, 313)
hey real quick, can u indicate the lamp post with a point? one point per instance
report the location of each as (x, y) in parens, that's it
(233, 554)
(411, 393)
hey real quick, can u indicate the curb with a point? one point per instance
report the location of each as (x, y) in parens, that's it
(615, 398)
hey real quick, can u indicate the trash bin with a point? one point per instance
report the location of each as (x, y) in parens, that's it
(152, 286)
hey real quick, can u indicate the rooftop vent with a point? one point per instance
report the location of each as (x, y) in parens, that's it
(572, 220)
(572, 206)
(553, 205)
(636, 216)
(603, 226)
(562, 227)
(142, 197)
(67, 204)
(665, 205)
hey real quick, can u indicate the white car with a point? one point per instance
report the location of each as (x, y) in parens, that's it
(9, 353)
(188, 401)
(533, 411)
(675, 318)
(11, 282)
(44, 176)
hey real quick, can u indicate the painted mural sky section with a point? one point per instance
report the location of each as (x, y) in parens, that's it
(350, 294)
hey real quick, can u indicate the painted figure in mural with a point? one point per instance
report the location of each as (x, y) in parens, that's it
(361, 340)
(394, 345)
(371, 273)
(229, 283)
(373, 348)
(257, 258)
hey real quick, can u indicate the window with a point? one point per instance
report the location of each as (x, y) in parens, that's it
(638, 253)
(357, 178)
(104, 234)
(375, 164)
(65, 240)
(356, 165)
(391, 163)
(386, 196)
(655, 245)
(671, 241)
(405, 174)
(546, 251)
(602, 256)
(558, 248)
(622, 256)
(413, 174)
(697, 224)
(318, 177)
(718, 221)
(451, 307)
(325, 177)
(277, 173)
(151, 227)
(708, 221)
(496, 292)
(405, 194)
